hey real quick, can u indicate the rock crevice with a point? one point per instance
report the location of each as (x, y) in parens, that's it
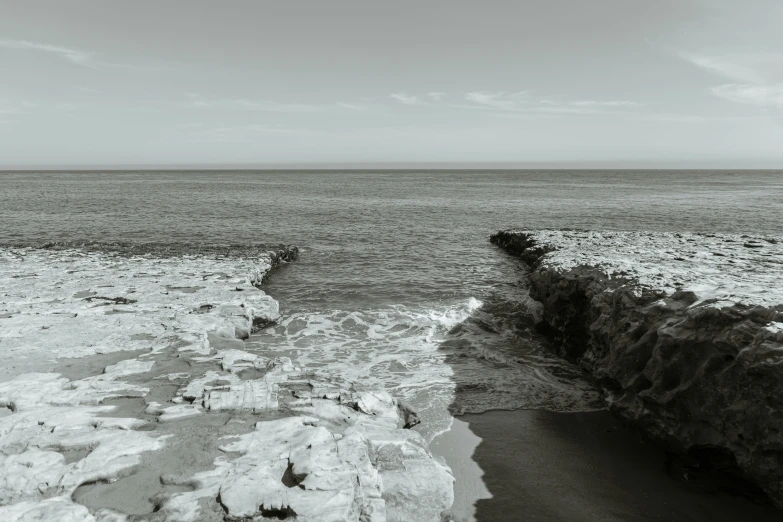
(682, 333)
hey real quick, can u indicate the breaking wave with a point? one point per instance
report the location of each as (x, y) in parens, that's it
(444, 359)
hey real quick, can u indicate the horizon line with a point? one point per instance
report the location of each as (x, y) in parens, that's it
(762, 165)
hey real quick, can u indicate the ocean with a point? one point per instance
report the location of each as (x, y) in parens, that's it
(397, 285)
(393, 263)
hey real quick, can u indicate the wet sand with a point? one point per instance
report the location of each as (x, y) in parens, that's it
(572, 467)
(457, 446)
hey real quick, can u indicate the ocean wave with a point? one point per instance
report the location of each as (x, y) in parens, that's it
(444, 359)
(160, 249)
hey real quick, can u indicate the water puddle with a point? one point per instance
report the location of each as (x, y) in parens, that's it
(75, 454)
(184, 289)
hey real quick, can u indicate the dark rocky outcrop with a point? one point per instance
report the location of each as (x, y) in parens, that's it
(277, 257)
(108, 300)
(705, 377)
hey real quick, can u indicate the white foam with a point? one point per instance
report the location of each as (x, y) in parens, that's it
(395, 349)
(775, 327)
(400, 349)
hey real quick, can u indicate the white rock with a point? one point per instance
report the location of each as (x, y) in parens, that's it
(256, 396)
(49, 321)
(726, 267)
(341, 457)
(53, 414)
(176, 412)
(54, 509)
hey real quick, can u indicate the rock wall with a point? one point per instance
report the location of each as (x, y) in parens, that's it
(684, 332)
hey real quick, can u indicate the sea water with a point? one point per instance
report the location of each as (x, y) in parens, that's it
(397, 285)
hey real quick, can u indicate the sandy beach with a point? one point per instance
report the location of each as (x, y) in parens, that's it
(574, 467)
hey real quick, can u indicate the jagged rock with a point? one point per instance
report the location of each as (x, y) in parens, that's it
(176, 412)
(114, 300)
(256, 396)
(375, 403)
(409, 417)
(302, 466)
(51, 415)
(60, 509)
(689, 353)
(260, 323)
(338, 456)
(48, 320)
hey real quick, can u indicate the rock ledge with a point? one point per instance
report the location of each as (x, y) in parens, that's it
(684, 332)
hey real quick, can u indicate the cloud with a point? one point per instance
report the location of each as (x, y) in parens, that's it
(200, 133)
(751, 94)
(196, 100)
(88, 59)
(86, 89)
(82, 58)
(493, 100)
(18, 107)
(585, 106)
(758, 78)
(9, 109)
(520, 102)
(523, 102)
(670, 117)
(405, 99)
(757, 67)
(520, 115)
(567, 109)
(352, 106)
(609, 103)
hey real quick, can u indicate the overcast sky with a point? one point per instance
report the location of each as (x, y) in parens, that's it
(200, 82)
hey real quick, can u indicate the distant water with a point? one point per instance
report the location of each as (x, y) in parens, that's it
(394, 262)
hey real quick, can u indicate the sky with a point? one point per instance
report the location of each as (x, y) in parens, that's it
(678, 83)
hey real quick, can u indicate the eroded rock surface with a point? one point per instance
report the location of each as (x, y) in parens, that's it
(681, 330)
(50, 307)
(195, 428)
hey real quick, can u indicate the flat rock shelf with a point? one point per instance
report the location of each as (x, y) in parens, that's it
(683, 332)
(128, 395)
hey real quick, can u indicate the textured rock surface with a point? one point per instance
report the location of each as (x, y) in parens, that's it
(73, 304)
(340, 466)
(53, 416)
(196, 428)
(681, 330)
(341, 456)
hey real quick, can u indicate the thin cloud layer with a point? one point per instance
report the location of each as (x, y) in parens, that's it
(619, 76)
(199, 101)
(747, 67)
(521, 102)
(758, 77)
(760, 95)
(494, 100)
(82, 58)
(406, 99)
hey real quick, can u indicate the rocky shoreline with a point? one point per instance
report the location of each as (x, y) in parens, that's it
(178, 421)
(683, 332)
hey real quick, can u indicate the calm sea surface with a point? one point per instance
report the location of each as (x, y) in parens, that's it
(379, 237)
(394, 263)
